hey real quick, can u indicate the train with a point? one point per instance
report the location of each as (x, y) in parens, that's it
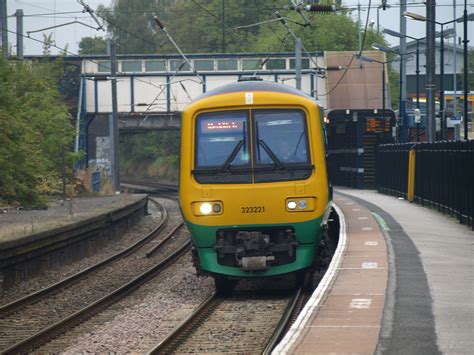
(254, 190)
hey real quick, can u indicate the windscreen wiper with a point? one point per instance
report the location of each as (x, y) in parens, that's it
(271, 154)
(226, 165)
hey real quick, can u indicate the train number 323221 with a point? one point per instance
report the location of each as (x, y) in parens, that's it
(252, 209)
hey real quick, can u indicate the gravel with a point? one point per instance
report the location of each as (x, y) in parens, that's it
(140, 321)
(33, 317)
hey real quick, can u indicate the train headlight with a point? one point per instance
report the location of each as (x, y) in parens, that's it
(301, 204)
(207, 208)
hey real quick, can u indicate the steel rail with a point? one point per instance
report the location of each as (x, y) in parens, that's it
(42, 337)
(172, 339)
(183, 330)
(159, 185)
(292, 310)
(152, 251)
(9, 307)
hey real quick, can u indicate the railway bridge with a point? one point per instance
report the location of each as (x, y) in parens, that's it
(152, 90)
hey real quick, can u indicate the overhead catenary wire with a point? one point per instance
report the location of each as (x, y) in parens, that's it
(87, 9)
(66, 51)
(217, 18)
(365, 29)
(271, 26)
(292, 33)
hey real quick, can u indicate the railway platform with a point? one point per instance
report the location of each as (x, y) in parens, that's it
(402, 282)
(33, 240)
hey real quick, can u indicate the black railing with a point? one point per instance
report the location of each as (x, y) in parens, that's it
(444, 175)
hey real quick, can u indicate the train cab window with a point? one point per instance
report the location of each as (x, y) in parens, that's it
(281, 149)
(222, 148)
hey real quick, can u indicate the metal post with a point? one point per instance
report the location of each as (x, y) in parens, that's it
(401, 123)
(417, 72)
(455, 94)
(441, 87)
(383, 89)
(378, 19)
(63, 171)
(359, 27)
(3, 28)
(113, 120)
(223, 25)
(403, 71)
(19, 33)
(430, 69)
(466, 70)
(298, 63)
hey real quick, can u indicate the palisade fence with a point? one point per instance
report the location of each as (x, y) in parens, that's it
(443, 175)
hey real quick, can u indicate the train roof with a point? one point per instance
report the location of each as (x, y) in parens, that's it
(253, 85)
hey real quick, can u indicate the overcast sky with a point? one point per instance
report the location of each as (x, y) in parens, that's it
(40, 14)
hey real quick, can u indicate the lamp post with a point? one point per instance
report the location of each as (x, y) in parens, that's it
(465, 18)
(442, 34)
(401, 111)
(383, 6)
(417, 71)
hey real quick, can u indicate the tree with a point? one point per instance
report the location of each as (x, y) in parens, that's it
(36, 129)
(92, 46)
(131, 25)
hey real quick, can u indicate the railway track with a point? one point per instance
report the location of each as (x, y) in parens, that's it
(68, 299)
(242, 323)
(164, 189)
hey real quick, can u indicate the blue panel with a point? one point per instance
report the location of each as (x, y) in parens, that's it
(96, 96)
(132, 94)
(203, 83)
(168, 94)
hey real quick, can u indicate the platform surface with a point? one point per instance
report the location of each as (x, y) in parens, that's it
(444, 249)
(404, 284)
(16, 225)
(349, 319)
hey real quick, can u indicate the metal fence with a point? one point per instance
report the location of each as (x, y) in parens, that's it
(444, 175)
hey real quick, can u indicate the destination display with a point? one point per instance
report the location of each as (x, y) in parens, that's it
(209, 126)
(376, 124)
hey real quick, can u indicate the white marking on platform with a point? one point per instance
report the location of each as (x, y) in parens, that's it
(344, 326)
(371, 243)
(362, 218)
(360, 303)
(356, 209)
(349, 203)
(367, 228)
(369, 265)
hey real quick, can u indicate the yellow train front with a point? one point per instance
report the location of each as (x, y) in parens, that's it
(254, 190)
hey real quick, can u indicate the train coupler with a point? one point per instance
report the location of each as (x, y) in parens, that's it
(255, 250)
(255, 263)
